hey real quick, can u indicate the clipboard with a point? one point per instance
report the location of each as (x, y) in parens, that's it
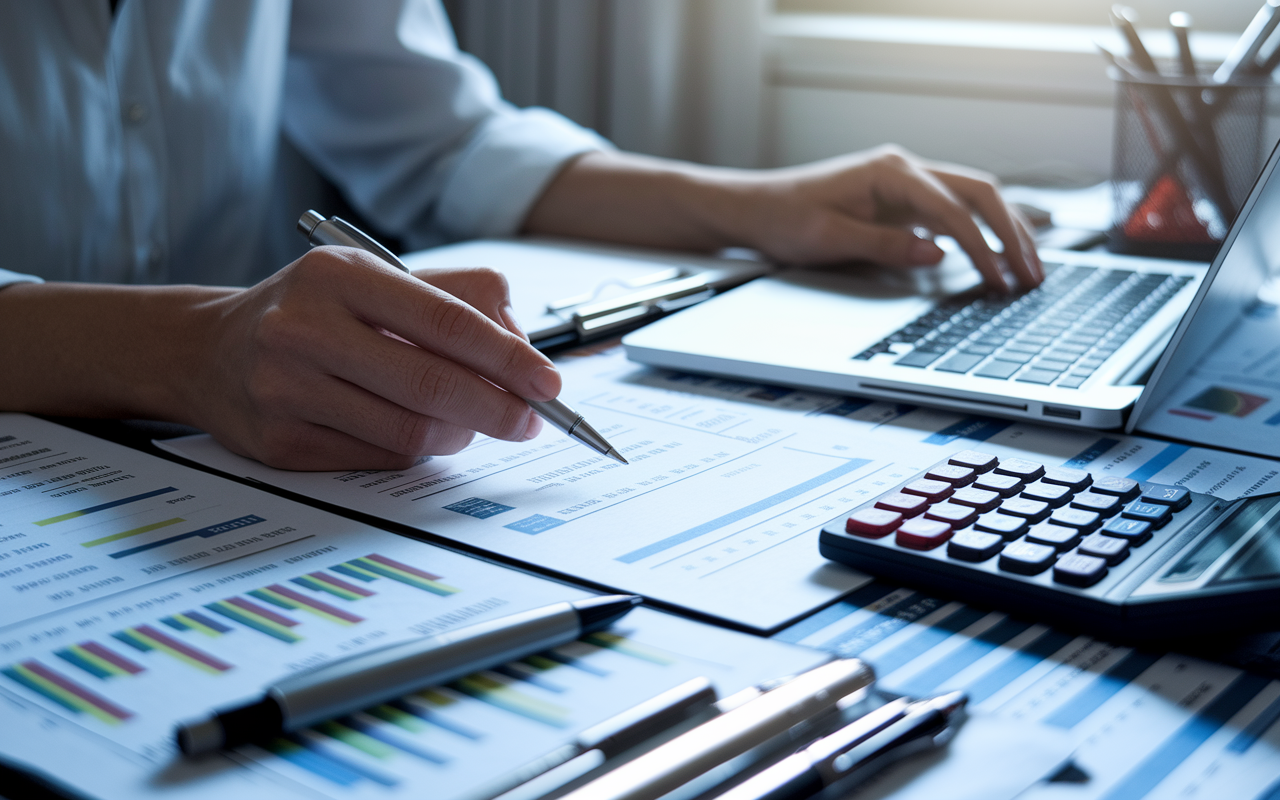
(568, 292)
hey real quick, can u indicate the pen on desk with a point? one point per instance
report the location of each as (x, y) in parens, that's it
(336, 231)
(753, 724)
(367, 679)
(851, 754)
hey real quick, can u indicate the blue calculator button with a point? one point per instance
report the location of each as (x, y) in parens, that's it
(1154, 513)
(1176, 497)
(1134, 531)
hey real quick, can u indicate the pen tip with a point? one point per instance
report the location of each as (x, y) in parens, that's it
(615, 455)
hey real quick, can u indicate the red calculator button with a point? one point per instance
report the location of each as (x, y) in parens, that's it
(908, 505)
(923, 534)
(872, 522)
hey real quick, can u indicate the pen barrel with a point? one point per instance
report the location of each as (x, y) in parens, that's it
(558, 414)
(385, 674)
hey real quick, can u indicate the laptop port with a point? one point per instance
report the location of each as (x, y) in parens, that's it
(1064, 413)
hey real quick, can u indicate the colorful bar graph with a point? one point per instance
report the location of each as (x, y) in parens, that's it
(284, 597)
(65, 692)
(97, 660)
(115, 537)
(629, 647)
(255, 616)
(486, 688)
(377, 566)
(203, 533)
(314, 759)
(372, 728)
(103, 507)
(320, 582)
(195, 621)
(145, 638)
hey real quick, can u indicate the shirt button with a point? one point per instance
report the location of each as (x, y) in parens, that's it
(135, 113)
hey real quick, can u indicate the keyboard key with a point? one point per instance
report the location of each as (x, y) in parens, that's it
(999, 368)
(922, 534)
(974, 545)
(1104, 504)
(1135, 531)
(1154, 513)
(918, 358)
(1071, 382)
(1051, 493)
(957, 516)
(1056, 536)
(872, 523)
(961, 362)
(1052, 364)
(978, 462)
(952, 474)
(933, 491)
(1003, 485)
(1021, 468)
(1026, 558)
(908, 505)
(1040, 376)
(1075, 479)
(1176, 497)
(1030, 510)
(1010, 527)
(981, 499)
(1077, 519)
(1124, 488)
(1076, 569)
(1015, 356)
(1108, 548)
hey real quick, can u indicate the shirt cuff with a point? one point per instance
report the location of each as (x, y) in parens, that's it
(504, 169)
(7, 278)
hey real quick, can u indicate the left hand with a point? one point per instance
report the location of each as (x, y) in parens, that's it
(864, 206)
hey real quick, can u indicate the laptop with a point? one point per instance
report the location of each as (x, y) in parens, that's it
(1077, 350)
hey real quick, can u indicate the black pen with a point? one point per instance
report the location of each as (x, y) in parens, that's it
(1180, 22)
(336, 231)
(385, 673)
(847, 757)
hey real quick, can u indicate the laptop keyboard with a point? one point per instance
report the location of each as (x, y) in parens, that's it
(1056, 334)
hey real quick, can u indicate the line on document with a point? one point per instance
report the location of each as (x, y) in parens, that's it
(112, 520)
(60, 486)
(34, 460)
(656, 419)
(742, 421)
(816, 453)
(679, 480)
(677, 412)
(698, 531)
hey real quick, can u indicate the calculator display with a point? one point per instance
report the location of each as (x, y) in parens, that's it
(1253, 559)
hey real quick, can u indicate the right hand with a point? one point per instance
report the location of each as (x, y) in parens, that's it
(340, 361)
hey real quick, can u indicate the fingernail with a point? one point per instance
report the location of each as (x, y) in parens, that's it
(922, 251)
(509, 320)
(546, 383)
(534, 427)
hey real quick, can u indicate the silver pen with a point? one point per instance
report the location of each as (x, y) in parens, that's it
(334, 231)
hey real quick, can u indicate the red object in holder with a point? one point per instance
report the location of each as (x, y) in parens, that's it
(1167, 214)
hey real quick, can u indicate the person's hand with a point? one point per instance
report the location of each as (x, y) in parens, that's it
(340, 361)
(865, 205)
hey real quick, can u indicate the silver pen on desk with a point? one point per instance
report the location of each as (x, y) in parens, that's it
(334, 231)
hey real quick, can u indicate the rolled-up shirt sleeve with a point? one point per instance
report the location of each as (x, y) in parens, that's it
(380, 99)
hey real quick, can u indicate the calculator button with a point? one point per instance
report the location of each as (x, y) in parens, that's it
(1032, 510)
(1154, 513)
(1176, 497)
(872, 523)
(957, 516)
(974, 545)
(923, 534)
(1135, 531)
(932, 491)
(1104, 504)
(1077, 518)
(1003, 485)
(1124, 488)
(908, 505)
(1051, 493)
(978, 462)
(1026, 558)
(1108, 548)
(948, 473)
(1075, 569)
(1056, 536)
(1021, 468)
(1007, 526)
(1074, 479)
(980, 499)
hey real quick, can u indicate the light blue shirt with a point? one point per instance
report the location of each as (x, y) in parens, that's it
(144, 149)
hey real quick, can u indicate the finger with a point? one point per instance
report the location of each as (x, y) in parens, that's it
(984, 197)
(484, 289)
(446, 325)
(945, 212)
(307, 446)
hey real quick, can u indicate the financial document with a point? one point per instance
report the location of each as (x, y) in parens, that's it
(729, 484)
(90, 694)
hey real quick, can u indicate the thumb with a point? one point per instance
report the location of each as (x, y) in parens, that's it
(884, 244)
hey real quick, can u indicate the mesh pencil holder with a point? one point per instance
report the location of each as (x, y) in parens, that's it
(1186, 153)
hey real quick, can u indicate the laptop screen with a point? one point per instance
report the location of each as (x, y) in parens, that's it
(1218, 382)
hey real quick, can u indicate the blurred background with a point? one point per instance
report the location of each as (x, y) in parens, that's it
(1012, 86)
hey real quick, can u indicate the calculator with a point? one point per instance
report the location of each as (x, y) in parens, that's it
(1106, 555)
